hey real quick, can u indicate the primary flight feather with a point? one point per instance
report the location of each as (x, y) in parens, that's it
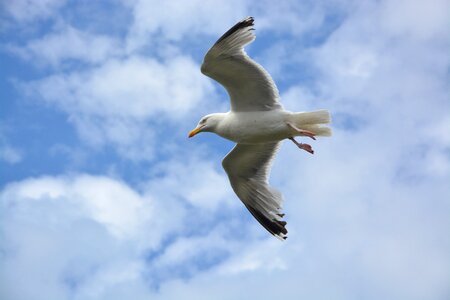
(257, 122)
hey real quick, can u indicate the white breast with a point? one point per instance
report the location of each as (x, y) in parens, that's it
(254, 127)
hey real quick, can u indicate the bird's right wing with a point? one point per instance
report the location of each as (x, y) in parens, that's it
(250, 87)
(248, 167)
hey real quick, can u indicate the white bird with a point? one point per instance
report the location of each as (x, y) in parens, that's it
(257, 122)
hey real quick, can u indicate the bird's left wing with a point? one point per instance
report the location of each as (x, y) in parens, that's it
(248, 167)
(250, 86)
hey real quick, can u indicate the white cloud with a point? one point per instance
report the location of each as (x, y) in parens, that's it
(9, 154)
(198, 180)
(61, 231)
(29, 10)
(107, 202)
(119, 100)
(136, 87)
(418, 19)
(65, 44)
(263, 256)
(174, 20)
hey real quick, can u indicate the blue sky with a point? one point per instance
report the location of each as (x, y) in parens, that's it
(103, 196)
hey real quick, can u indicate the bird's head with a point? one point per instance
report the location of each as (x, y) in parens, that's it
(207, 124)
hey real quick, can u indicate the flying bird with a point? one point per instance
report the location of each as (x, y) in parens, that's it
(257, 122)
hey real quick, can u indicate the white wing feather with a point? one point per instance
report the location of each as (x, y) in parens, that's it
(248, 168)
(250, 87)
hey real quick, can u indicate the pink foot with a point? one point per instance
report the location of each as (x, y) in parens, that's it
(302, 146)
(306, 147)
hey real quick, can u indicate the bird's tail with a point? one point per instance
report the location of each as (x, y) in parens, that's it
(315, 121)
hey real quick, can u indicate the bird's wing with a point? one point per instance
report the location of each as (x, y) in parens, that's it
(250, 86)
(248, 167)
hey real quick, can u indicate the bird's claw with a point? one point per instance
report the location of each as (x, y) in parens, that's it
(302, 146)
(306, 147)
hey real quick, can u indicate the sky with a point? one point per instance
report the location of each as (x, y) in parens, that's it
(103, 196)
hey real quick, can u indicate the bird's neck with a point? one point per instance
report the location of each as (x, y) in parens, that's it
(220, 126)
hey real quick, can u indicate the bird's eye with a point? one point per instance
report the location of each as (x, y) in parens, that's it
(203, 121)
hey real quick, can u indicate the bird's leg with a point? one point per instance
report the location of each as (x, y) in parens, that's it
(305, 147)
(301, 131)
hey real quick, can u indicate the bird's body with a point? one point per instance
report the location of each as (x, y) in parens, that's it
(258, 127)
(257, 122)
(254, 127)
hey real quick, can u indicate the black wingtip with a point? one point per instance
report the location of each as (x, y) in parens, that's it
(247, 22)
(274, 226)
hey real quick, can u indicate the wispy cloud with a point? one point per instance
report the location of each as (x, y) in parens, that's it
(28, 10)
(67, 44)
(9, 154)
(122, 101)
(173, 20)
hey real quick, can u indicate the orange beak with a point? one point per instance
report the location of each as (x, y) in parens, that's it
(195, 131)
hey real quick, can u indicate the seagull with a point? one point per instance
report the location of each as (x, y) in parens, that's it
(257, 122)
